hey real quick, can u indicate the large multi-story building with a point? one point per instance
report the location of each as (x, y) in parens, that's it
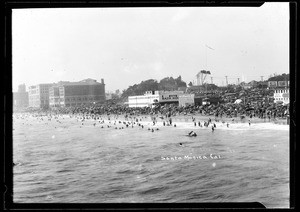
(66, 94)
(20, 98)
(39, 95)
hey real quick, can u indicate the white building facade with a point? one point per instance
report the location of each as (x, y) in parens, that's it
(39, 95)
(150, 98)
(281, 91)
(282, 95)
(146, 100)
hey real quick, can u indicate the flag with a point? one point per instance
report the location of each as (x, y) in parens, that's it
(209, 47)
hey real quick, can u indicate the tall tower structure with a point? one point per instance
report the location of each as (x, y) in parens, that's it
(201, 76)
(262, 78)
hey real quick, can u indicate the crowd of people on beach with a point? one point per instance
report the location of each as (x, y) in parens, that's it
(168, 114)
(256, 105)
(228, 110)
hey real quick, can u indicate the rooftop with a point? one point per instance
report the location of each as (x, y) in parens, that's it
(88, 81)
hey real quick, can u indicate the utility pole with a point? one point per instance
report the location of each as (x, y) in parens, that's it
(211, 79)
(226, 80)
(238, 81)
(262, 78)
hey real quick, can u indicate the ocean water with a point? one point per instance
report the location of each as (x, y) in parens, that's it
(67, 160)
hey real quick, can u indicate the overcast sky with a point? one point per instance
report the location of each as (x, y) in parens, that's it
(128, 45)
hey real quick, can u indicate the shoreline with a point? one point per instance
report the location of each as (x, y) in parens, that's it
(200, 117)
(177, 117)
(184, 121)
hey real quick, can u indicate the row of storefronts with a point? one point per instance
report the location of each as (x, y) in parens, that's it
(152, 98)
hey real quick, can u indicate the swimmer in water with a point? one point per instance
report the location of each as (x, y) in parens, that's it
(192, 133)
(180, 144)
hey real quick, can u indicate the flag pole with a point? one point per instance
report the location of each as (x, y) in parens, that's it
(206, 57)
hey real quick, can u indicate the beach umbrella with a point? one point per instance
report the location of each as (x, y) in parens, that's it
(238, 101)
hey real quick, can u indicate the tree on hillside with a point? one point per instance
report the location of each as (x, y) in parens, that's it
(169, 83)
(140, 89)
(179, 82)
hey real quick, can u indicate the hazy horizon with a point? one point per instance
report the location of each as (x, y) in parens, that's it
(125, 46)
